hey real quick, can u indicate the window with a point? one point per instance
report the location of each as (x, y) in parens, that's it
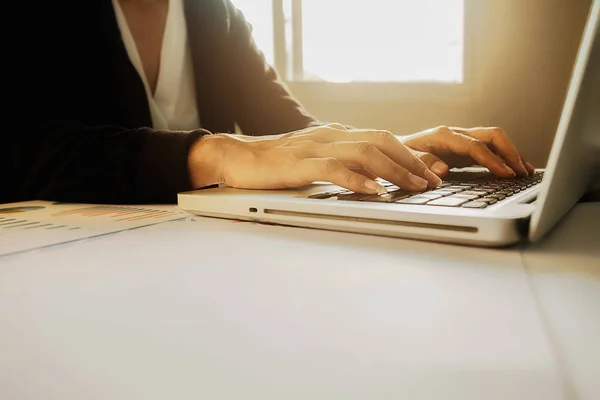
(409, 41)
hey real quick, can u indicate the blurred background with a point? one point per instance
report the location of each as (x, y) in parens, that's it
(407, 65)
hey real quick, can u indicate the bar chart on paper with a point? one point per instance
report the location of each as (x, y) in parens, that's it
(30, 225)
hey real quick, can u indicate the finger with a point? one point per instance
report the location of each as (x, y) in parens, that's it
(331, 170)
(459, 129)
(389, 145)
(364, 173)
(476, 149)
(500, 141)
(366, 156)
(530, 168)
(435, 164)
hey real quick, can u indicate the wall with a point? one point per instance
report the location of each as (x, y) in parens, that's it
(522, 52)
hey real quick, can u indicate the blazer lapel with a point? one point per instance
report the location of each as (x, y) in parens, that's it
(130, 92)
(207, 25)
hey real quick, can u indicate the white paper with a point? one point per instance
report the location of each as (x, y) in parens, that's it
(34, 224)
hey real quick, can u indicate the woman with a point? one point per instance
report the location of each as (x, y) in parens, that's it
(132, 101)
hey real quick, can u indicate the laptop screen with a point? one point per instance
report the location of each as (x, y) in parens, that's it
(575, 150)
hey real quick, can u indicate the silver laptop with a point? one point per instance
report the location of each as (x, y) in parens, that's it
(470, 207)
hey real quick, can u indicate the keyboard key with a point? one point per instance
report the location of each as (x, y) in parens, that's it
(414, 200)
(389, 197)
(385, 183)
(488, 200)
(448, 202)
(476, 192)
(442, 192)
(431, 195)
(465, 196)
(324, 195)
(465, 185)
(496, 196)
(475, 204)
(355, 196)
(452, 190)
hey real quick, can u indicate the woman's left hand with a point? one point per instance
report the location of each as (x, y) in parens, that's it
(444, 147)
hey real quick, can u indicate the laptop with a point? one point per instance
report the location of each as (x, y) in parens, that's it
(470, 207)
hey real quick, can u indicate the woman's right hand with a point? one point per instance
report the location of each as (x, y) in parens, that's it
(330, 153)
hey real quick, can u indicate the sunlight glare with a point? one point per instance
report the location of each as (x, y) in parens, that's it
(378, 41)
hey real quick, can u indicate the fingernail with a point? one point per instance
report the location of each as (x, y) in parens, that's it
(417, 181)
(374, 187)
(523, 168)
(439, 168)
(433, 178)
(509, 170)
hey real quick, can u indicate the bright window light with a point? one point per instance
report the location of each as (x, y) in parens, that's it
(260, 14)
(374, 41)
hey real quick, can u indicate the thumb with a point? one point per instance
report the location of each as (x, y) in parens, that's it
(435, 164)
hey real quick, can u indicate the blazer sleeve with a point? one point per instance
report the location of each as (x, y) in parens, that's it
(262, 103)
(105, 164)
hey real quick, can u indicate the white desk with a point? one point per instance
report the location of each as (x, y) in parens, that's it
(219, 309)
(565, 279)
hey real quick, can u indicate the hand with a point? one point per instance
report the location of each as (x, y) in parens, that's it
(443, 148)
(348, 158)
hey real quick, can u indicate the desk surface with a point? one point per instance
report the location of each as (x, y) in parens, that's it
(564, 272)
(219, 309)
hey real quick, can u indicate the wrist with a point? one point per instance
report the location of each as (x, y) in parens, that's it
(204, 161)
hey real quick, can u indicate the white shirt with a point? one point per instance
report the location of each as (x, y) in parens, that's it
(173, 104)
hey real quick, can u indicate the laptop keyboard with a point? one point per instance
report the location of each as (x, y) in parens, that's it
(460, 189)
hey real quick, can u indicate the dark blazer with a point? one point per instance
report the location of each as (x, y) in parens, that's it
(78, 124)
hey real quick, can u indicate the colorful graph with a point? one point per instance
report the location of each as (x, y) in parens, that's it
(119, 213)
(14, 210)
(35, 224)
(15, 224)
